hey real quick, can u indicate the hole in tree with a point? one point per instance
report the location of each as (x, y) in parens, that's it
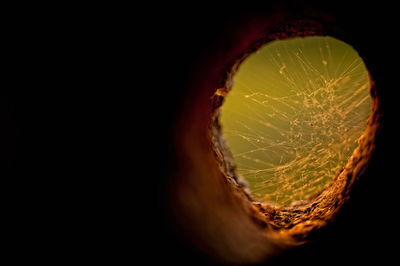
(294, 115)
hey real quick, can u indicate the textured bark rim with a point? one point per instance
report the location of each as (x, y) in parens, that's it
(209, 205)
(296, 221)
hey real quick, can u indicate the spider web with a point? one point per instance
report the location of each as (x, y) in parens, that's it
(294, 115)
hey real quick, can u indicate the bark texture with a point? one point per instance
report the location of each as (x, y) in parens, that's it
(209, 205)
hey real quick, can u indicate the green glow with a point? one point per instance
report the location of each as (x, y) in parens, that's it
(294, 115)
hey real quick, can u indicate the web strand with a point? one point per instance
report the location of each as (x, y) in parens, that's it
(294, 115)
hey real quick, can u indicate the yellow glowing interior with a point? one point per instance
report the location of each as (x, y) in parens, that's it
(294, 115)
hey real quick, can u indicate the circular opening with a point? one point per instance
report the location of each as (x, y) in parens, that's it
(302, 105)
(294, 116)
(211, 202)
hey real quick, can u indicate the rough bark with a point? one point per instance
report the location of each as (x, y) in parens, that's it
(209, 203)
